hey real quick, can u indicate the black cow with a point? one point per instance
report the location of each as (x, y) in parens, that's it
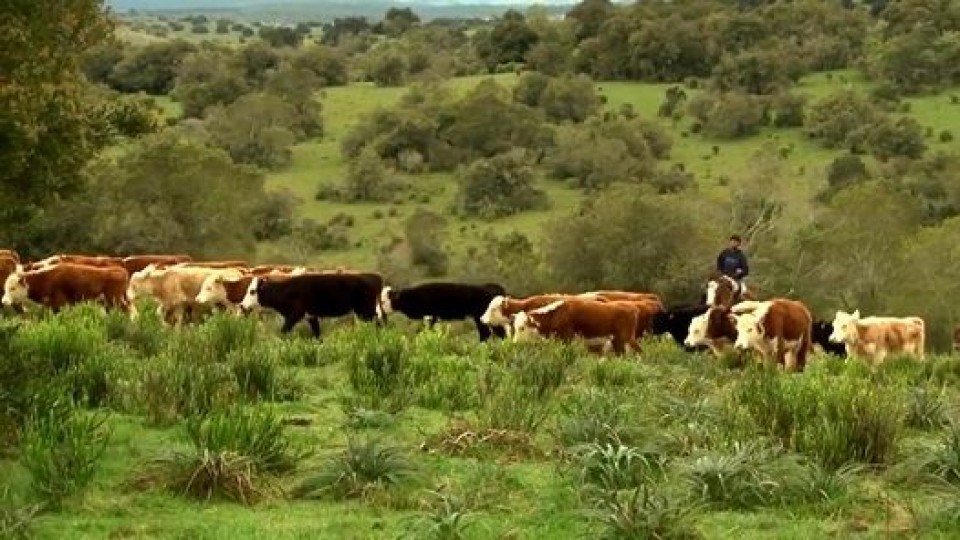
(821, 337)
(676, 322)
(446, 302)
(314, 296)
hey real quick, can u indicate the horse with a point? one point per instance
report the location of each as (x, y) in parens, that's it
(723, 291)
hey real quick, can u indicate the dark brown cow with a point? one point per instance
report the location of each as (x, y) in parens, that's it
(589, 319)
(136, 263)
(68, 283)
(624, 295)
(781, 330)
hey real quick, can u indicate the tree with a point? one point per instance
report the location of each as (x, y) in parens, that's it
(256, 60)
(48, 127)
(343, 28)
(280, 36)
(99, 61)
(366, 179)
(326, 63)
(256, 129)
(839, 119)
(297, 88)
(728, 116)
(844, 171)
(424, 232)
(508, 41)
(152, 68)
(787, 109)
(398, 21)
(167, 195)
(591, 160)
(529, 88)
(499, 186)
(570, 98)
(888, 138)
(386, 66)
(549, 57)
(590, 16)
(273, 215)
(207, 78)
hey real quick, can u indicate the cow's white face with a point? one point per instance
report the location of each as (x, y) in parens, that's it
(749, 331)
(386, 306)
(251, 300)
(493, 316)
(212, 291)
(15, 290)
(712, 287)
(697, 331)
(845, 327)
(524, 327)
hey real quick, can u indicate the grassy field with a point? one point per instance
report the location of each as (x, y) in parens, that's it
(800, 174)
(503, 440)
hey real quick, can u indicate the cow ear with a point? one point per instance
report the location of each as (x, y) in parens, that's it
(856, 314)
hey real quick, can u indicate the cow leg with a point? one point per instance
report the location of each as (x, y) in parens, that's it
(498, 331)
(314, 323)
(482, 330)
(289, 321)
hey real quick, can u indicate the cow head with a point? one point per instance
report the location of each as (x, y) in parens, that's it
(712, 287)
(212, 291)
(749, 330)
(697, 331)
(251, 300)
(525, 326)
(385, 305)
(15, 290)
(845, 327)
(494, 316)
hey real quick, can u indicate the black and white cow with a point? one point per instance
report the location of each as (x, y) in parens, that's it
(314, 296)
(821, 338)
(444, 301)
(676, 322)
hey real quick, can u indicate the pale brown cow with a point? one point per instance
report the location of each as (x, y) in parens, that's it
(136, 263)
(100, 261)
(68, 283)
(572, 318)
(175, 288)
(781, 330)
(874, 338)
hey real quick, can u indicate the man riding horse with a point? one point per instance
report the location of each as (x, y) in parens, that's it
(732, 267)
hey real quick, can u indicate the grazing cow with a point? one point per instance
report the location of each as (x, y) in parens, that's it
(316, 295)
(781, 330)
(68, 283)
(956, 338)
(821, 339)
(445, 302)
(676, 322)
(175, 288)
(502, 309)
(715, 329)
(577, 317)
(136, 263)
(876, 337)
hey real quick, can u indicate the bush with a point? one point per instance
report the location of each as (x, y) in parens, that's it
(641, 513)
(596, 417)
(173, 386)
(888, 138)
(787, 110)
(61, 451)
(377, 369)
(838, 120)
(260, 375)
(925, 409)
(946, 136)
(614, 468)
(569, 99)
(258, 435)
(729, 116)
(500, 186)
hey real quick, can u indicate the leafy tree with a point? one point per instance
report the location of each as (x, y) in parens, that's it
(223, 26)
(297, 88)
(326, 63)
(424, 232)
(200, 29)
(510, 259)
(590, 160)
(590, 16)
(366, 179)
(787, 109)
(570, 98)
(398, 21)
(549, 57)
(529, 88)
(280, 36)
(844, 171)
(152, 68)
(508, 41)
(836, 119)
(256, 60)
(207, 78)
(499, 186)
(889, 138)
(256, 129)
(167, 195)
(99, 61)
(49, 129)
(273, 215)
(130, 115)
(343, 28)
(760, 72)
(729, 116)
(386, 66)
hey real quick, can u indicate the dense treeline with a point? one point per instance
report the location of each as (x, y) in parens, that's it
(882, 217)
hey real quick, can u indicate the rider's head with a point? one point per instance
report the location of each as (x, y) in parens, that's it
(735, 241)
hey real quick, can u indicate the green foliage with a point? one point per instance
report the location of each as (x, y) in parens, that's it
(205, 78)
(256, 60)
(326, 63)
(61, 451)
(280, 36)
(530, 87)
(152, 68)
(424, 235)
(257, 435)
(728, 116)
(642, 513)
(256, 129)
(890, 138)
(499, 186)
(569, 99)
(838, 120)
(16, 519)
(386, 66)
(162, 191)
(361, 469)
(844, 171)
(273, 216)
(180, 383)
(613, 468)
(925, 409)
(787, 109)
(366, 179)
(595, 417)
(377, 369)
(508, 40)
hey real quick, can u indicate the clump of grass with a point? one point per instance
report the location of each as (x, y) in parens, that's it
(16, 518)
(594, 417)
(616, 373)
(360, 418)
(260, 376)
(172, 387)
(378, 369)
(642, 513)
(925, 409)
(464, 440)
(537, 366)
(361, 469)
(61, 450)
(235, 453)
(447, 383)
(446, 518)
(299, 352)
(510, 405)
(145, 335)
(223, 334)
(616, 467)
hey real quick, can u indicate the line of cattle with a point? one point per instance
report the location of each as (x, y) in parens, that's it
(780, 330)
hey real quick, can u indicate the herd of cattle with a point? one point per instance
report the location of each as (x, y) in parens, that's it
(779, 330)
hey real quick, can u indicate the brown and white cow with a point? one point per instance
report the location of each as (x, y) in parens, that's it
(11, 254)
(228, 291)
(136, 263)
(780, 330)
(874, 338)
(175, 288)
(716, 329)
(572, 318)
(207, 264)
(68, 283)
(101, 261)
(502, 309)
(624, 296)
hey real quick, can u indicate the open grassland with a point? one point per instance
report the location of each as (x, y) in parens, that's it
(800, 163)
(227, 431)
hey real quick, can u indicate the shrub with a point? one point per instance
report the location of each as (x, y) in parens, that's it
(258, 435)
(730, 116)
(447, 383)
(508, 404)
(61, 451)
(362, 468)
(641, 513)
(836, 119)
(499, 186)
(377, 369)
(595, 417)
(260, 375)
(569, 99)
(925, 409)
(173, 386)
(617, 467)
(946, 136)
(205, 476)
